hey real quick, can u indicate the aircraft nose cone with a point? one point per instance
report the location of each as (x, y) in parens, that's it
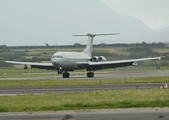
(56, 62)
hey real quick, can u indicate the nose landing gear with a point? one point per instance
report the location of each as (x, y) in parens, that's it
(65, 74)
(60, 70)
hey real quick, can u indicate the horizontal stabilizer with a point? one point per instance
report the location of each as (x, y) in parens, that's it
(96, 34)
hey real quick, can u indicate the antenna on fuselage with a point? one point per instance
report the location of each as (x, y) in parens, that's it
(88, 49)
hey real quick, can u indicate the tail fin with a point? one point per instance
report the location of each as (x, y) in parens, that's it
(88, 49)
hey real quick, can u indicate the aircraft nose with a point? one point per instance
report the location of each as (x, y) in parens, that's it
(56, 60)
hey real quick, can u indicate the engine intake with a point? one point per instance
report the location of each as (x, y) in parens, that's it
(98, 59)
(95, 59)
(101, 58)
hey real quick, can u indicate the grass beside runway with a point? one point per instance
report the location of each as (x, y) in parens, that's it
(86, 100)
(63, 82)
(20, 72)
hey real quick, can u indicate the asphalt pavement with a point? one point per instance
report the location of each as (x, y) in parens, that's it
(122, 74)
(102, 114)
(47, 89)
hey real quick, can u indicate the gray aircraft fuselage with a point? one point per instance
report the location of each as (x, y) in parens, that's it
(69, 60)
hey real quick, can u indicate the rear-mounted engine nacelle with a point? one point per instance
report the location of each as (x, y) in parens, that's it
(101, 58)
(95, 59)
(98, 59)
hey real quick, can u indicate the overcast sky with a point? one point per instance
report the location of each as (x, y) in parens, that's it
(154, 13)
(27, 22)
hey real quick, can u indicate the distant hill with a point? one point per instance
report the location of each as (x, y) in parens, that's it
(54, 21)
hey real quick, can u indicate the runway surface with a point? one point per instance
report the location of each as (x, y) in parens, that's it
(23, 90)
(45, 89)
(102, 114)
(122, 74)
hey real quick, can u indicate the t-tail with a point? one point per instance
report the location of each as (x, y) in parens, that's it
(88, 49)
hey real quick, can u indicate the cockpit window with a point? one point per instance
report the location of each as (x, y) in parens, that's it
(58, 56)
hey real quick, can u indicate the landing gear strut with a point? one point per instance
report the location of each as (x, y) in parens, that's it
(60, 70)
(90, 74)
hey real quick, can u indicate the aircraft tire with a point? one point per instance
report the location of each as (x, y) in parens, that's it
(66, 75)
(90, 74)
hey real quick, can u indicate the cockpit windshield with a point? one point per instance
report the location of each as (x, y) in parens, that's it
(58, 56)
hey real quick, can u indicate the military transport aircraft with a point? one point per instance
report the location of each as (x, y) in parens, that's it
(64, 62)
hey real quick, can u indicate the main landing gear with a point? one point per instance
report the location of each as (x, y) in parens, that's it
(90, 74)
(66, 75)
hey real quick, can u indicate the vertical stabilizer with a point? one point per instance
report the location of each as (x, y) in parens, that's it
(88, 49)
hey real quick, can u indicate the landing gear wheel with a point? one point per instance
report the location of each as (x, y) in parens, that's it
(90, 74)
(25, 67)
(65, 75)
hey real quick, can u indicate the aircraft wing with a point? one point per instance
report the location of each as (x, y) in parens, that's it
(118, 63)
(48, 66)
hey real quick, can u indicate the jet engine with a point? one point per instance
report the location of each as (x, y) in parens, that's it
(101, 58)
(98, 59)
(95, 59)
